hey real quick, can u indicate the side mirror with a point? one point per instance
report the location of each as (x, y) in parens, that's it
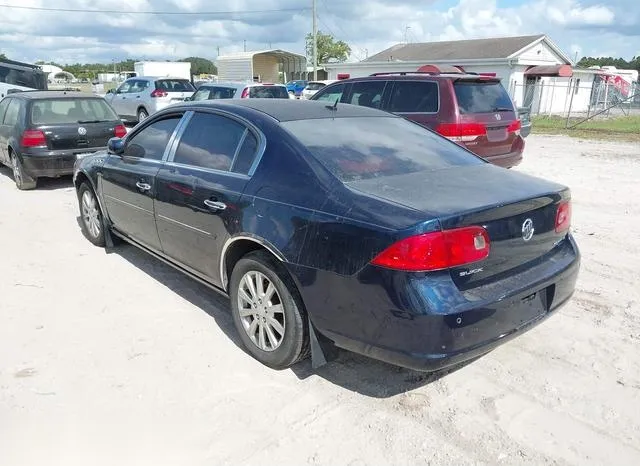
(115, 146)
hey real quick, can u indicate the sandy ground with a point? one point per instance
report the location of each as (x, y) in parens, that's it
(116, 359)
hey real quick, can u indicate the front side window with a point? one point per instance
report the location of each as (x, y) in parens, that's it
(367, 94)
(124, 88)
(151, 142)
(331, 94)
(209, 141)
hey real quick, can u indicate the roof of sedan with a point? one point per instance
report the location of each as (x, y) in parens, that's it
(54, 95)
(291, 110)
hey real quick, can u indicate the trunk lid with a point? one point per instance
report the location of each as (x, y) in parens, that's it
(501, 201)
(78, 136)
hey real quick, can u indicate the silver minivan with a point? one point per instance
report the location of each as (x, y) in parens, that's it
(137, 98)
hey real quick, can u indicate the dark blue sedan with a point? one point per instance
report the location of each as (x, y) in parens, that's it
(337, 225)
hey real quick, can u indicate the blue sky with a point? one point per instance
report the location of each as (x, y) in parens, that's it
(588, 27)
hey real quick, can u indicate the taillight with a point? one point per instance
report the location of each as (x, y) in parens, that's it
(563, 217)
(514, 127)
(120, 131)
(159, 93)
(245, 93)
(437, 250)
(33, 138)
(462, 131)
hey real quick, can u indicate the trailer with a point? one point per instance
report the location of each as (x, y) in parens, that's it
(275, 66)
(174, 69)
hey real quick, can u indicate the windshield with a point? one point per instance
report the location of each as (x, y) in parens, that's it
(315, 86)
(66, 111)
(268, 92)
(175, 85)
(361, 148)
(482, 97)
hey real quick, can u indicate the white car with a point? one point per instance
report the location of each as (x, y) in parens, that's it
(210, 91)
(315, 86)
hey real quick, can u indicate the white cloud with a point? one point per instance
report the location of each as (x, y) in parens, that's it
(369, 26)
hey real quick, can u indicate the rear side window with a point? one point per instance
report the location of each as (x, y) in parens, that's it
(151, 142)
(175, 85)
(482, 97)
(367, 94)
(268, 92)
(68, 111)
(3, 108)
(414, 97)
(361, 148)
(209, 141)
(13, 110)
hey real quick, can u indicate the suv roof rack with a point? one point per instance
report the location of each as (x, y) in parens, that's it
(428, 73)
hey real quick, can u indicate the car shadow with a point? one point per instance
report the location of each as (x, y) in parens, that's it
(351, 371)
(44, 184)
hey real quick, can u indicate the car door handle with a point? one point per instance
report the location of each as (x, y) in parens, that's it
(215, 205)
(143, 186)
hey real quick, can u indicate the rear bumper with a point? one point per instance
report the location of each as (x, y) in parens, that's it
(508, 160)
(53, 163)
(423, 322)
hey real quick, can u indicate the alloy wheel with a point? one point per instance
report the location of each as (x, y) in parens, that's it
(91, 214)
(261, 311)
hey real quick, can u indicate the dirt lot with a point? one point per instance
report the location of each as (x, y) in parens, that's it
(116, 359)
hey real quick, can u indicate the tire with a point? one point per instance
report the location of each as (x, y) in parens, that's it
(91, 215)
(142, 115)
(275, 332)
(23, 181)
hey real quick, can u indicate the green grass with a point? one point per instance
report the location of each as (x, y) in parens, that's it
(625, 128)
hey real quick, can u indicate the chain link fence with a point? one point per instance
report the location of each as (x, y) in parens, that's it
(576, 99)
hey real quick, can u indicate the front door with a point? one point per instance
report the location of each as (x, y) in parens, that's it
(129, 181)
(199, 189)
(120, 100)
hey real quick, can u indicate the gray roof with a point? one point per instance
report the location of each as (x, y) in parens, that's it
(498, 47)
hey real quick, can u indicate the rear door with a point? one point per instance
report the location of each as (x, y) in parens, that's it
(76, 125)
(137, 93)
(418, 101)
(199, 190)
(485, 101)
(129, 181)
(368, 94)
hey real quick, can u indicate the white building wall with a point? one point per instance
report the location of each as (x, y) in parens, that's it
(235, 69)
(266, 67)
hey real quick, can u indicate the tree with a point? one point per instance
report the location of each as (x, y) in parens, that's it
(3, 56)
(329, 49)
(201, 65)
(621, 63)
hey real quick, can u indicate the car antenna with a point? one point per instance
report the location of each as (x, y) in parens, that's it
(333, 107)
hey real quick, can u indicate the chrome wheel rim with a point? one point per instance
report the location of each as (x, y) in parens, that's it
(142, 116)
(261, 311)
(17, 173)
(91, 214)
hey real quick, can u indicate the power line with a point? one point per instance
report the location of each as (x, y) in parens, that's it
(357, 55)
(170, 13)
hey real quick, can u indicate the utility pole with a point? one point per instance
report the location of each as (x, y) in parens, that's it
(315, 41)
(406, 34)
(245, 45)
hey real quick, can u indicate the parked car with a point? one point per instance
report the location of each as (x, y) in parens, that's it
(240, 91)
(473, 110)
(337, 223)
(43, 133)
(296, 87)
(137, 98)
(313, 87)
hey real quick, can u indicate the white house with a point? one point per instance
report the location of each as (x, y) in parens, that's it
(534, 70)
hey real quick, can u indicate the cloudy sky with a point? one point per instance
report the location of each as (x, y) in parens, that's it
(199, 27)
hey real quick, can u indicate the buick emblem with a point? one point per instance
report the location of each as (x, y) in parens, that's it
(527, 229)
(82, 131)
(498, 116)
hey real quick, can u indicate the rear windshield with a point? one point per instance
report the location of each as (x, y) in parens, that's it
(315, 86)
(362, 148)
(210, 93)
(175, 85)
(65, 111)
(268, 92)
(482, 97)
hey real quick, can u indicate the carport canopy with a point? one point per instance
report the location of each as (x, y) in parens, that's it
(561, 71)
(293, 65)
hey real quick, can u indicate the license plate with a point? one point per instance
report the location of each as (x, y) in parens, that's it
(82, 155)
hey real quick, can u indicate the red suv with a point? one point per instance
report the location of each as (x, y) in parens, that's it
(473, 110)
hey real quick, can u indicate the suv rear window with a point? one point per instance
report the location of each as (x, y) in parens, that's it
(175, 85)
(361, 148)
(482, 97)
(268, 92)
(414, 97)
(211, 93)
(67, 111)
